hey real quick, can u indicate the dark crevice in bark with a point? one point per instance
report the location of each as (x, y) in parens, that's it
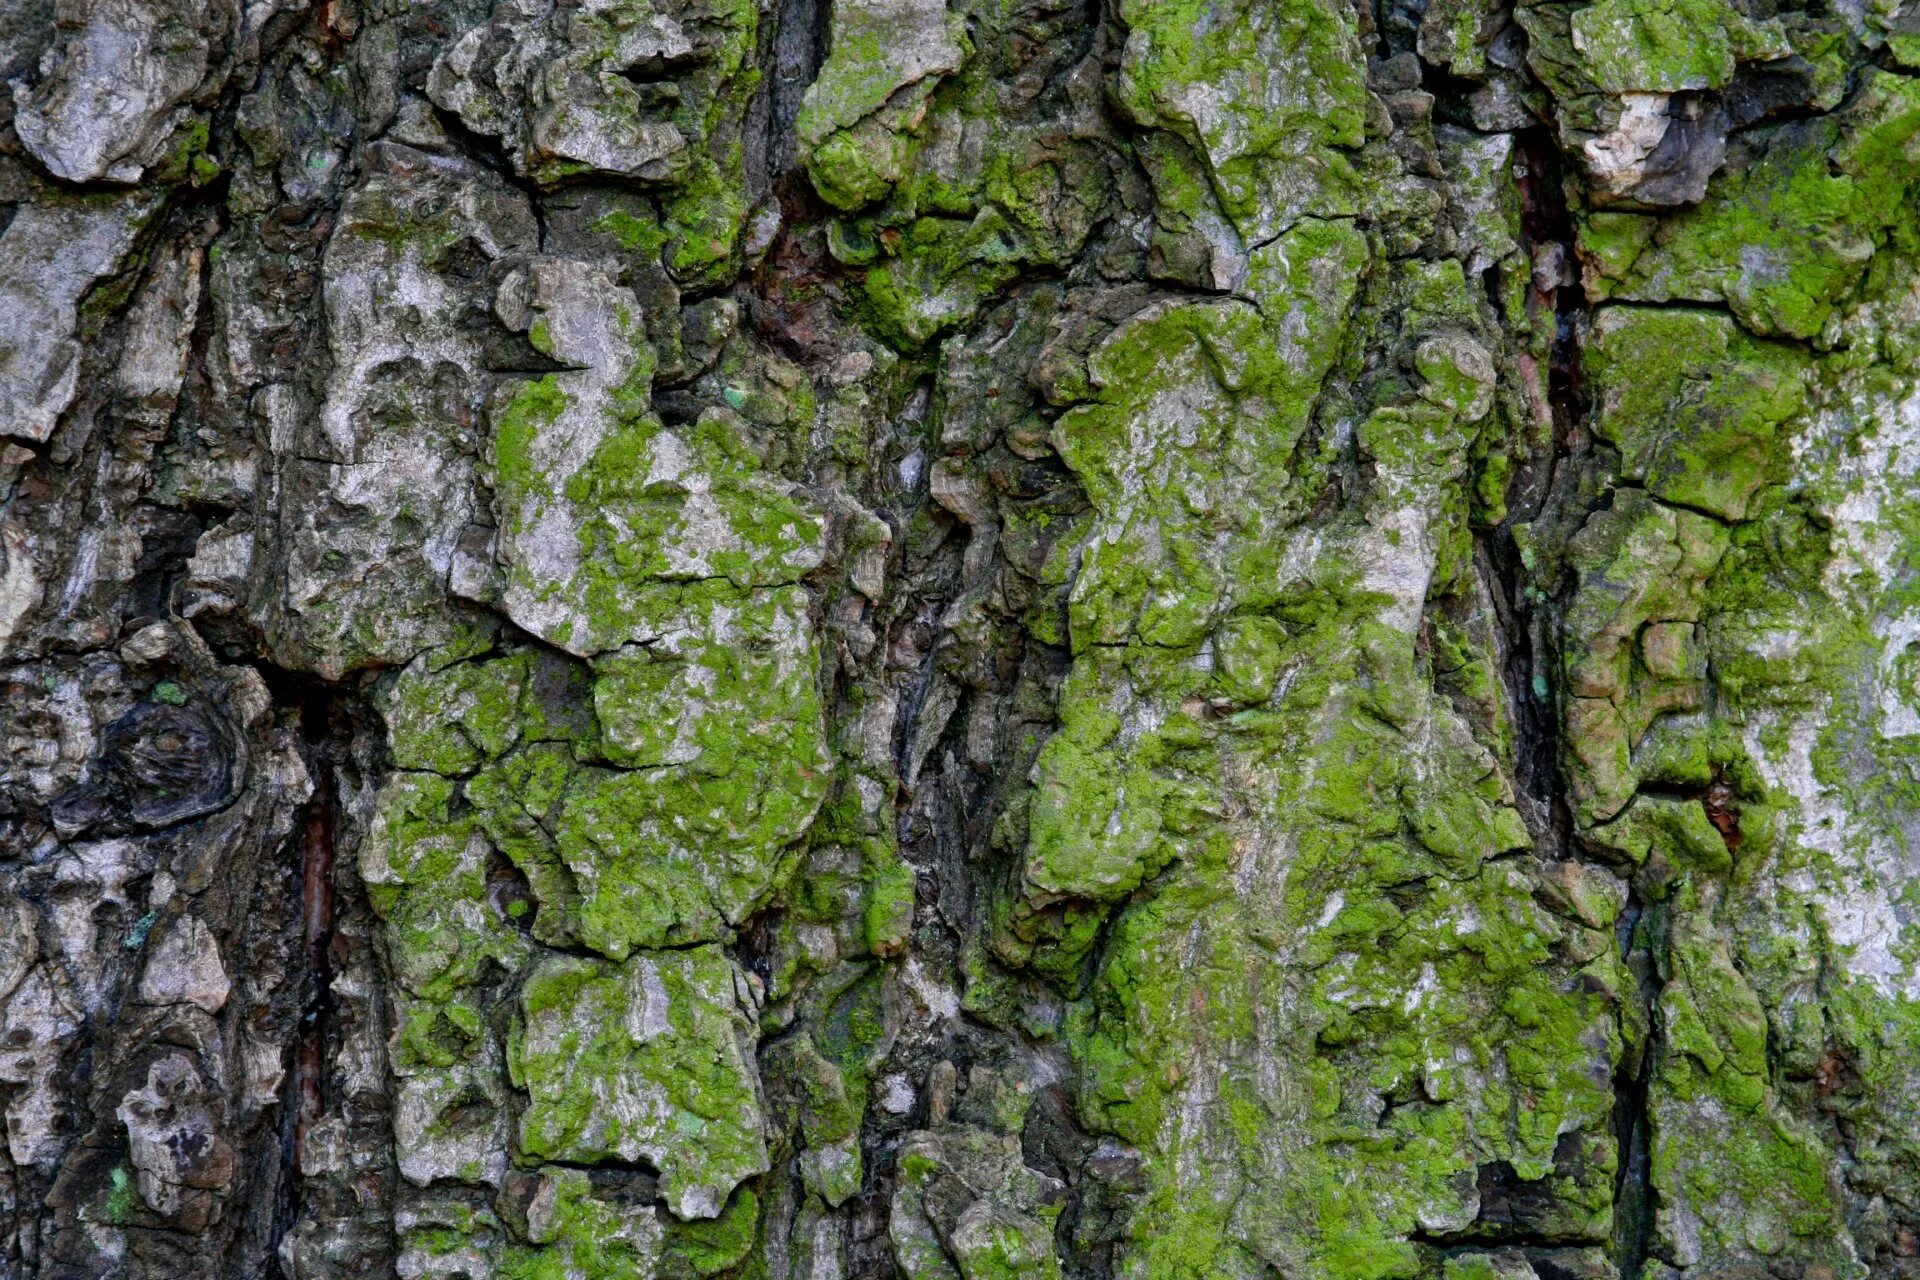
(610, 1168)
(798, 51)
(1723, 809)
(316, 917)
(324, 717)
(1529, 615)
(793, 295)
(1633, 1196)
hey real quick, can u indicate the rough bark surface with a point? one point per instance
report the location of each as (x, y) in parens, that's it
(960, 639)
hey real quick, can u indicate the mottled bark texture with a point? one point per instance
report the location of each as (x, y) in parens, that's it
(960, 639)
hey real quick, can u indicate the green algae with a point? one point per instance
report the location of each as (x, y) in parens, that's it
(1787, 231)
(1266, 96)
(1696, 408)
(1665, 46)
(647, 1059)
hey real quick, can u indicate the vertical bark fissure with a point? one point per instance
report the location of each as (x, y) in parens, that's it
(309, 1078)
(802, 33)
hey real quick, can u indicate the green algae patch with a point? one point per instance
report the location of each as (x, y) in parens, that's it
(1666, 46)
(1441, 1019)
(946, 201)
(1286, 844)
(451, 720)
(1698, 410)
(720, 738)
(1642, 565)
(658, 860)
(649, 1059)
(1265, 95)
(1788, 229)
(1737, 1174)
(712, 1246)
(426, 875)
(605, 511)
(885, 57)
(579, 1236)
(1184, 453)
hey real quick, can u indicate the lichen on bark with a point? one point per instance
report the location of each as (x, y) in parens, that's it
(959, 639)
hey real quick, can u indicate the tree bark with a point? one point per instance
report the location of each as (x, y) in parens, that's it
(959, 639)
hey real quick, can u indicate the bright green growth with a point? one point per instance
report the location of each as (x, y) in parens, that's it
(603, 509)
(712, 1246)
(1665, 46)
(122, 1198)
(452, 719)
(1695, 406)
(1266, 94)
(890, 893)
(1628, 660)
(854, 116)
(534, 408)
(650, 1059)
(1184, 454)
(425, 868)
(1737, 1175)
(1330, 1005)
(1103, 820)
(1787, 231)
(579, 1236)
(730, 691)
(967, 200)
(721, 736)
(571, 95)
